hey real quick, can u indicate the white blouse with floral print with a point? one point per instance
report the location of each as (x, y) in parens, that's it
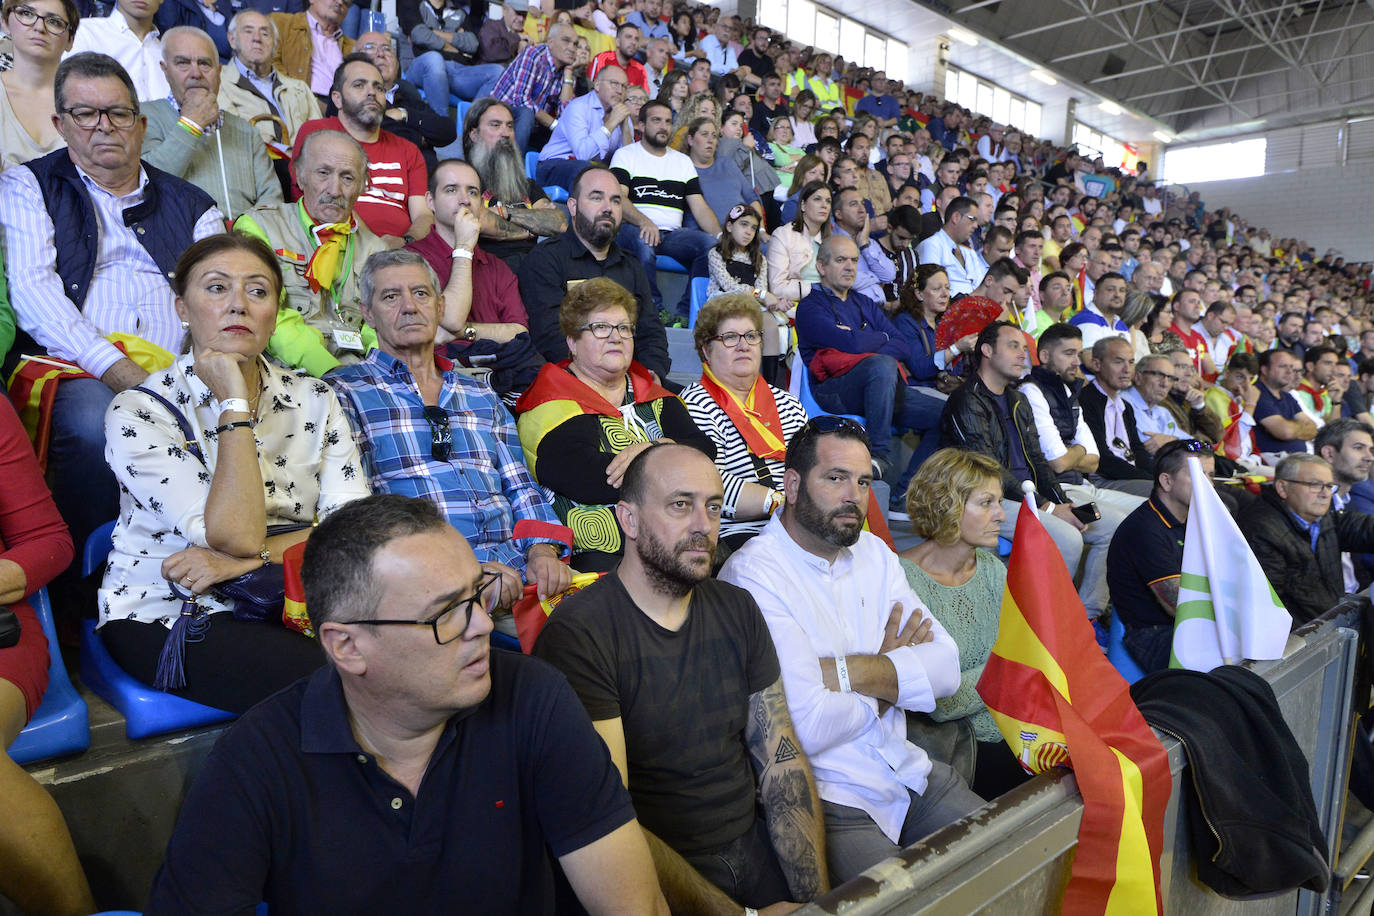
(306, 456)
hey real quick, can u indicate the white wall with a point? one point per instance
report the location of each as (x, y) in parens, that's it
(1326, 207)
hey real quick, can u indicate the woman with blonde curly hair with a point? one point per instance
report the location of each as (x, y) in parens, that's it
(701, 105)
(955, 503)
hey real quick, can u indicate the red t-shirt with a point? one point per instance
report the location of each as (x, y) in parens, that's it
(395, 173)
(1193, 343)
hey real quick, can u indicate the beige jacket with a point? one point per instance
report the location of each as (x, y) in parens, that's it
(297, 103)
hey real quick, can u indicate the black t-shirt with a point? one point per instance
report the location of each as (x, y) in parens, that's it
(1146, 548)
(682, 697)
(290, 809)
(760, 65)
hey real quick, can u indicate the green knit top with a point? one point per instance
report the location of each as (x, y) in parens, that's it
(970, 614)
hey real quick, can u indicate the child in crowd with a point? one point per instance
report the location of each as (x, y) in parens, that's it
(737, 265)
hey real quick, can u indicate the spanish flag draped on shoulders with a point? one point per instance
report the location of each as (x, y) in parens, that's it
(1059, 702)
(561, 419)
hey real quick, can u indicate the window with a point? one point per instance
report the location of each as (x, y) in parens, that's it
(1215, 161)
(875, 51)
(773, 13)
(985, 98)
(1001, 104)
(896, 60)
(827, 31)
(801, 21)
(852, 40)
(1032, 123)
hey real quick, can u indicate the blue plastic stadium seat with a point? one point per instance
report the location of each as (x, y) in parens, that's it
(671, 265)
(146, 710)
(1116, 651)
(699, 287)
(807, 401)
(61, 725)
(1003, 547)
(554, 192)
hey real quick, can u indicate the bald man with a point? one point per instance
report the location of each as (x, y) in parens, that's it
(591, 128)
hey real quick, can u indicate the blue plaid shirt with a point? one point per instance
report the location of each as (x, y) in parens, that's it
(484, 487)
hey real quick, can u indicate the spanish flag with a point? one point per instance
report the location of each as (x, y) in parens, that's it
(1059, 702)
(33, 384)
(293, 615)
(531, 614)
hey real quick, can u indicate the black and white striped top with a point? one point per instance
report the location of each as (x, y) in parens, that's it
(737, 467)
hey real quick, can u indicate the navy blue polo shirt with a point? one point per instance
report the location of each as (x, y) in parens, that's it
(1286, 406)
(1146, 548)
(289, 808)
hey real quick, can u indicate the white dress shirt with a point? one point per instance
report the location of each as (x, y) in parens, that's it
(141, 58)
(1051, 443)
(816, 609)
(939, 249)
(127, 292)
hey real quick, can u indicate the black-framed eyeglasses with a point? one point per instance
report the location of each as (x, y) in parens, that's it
(601, 330)
(732, 339)
(440, 433)
(54, 24)
(121, 117)
(453, 621)
(1313, 486)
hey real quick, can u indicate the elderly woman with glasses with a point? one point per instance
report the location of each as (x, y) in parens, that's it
(40, 31)
(955, 503)
(217, 457)
(749, 420)
(584, 419)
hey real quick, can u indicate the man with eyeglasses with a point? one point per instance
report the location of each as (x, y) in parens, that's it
(681, 679)
(1298, 536)
(130, 37)
(1146, 554)
(950, 249)
(91, 240)
(592, 128)
(415, 766)
(192, 138)
(426, 430)
(1154, 377)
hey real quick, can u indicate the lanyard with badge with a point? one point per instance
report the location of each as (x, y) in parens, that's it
(345, 334)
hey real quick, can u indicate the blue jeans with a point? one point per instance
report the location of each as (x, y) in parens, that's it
(682, 245)
(84, 487)
(438, 78)
(524, 126)
(873, 389)
(560, 172)
(746, 868)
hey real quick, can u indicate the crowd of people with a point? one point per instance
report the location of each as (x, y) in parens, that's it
(252, 303)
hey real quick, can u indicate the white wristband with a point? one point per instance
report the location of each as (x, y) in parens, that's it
(235, 404)
(842, 673)
(462, 253)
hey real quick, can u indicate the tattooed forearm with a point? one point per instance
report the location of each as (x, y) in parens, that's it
(791, 806)
(540, 221)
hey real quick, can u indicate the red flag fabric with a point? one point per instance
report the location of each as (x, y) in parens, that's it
(1059, 702)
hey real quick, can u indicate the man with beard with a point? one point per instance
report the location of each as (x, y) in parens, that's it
(1348, 445)
(680, 678)
(517, 213)
(660, 186)
(407, 115)
(588, 250)
(857, 648)
(392, 204)
(190, 137)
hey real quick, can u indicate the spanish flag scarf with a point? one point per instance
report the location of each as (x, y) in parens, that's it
(332, 251)
(756, 418)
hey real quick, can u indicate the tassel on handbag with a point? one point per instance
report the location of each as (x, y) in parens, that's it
(190, 626)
